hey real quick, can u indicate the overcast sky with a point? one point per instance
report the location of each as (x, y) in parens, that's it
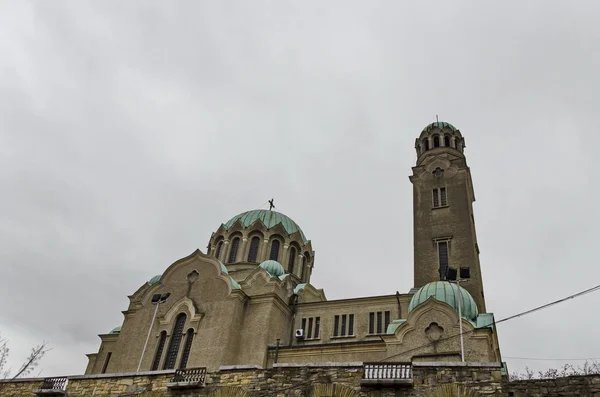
(129, 131)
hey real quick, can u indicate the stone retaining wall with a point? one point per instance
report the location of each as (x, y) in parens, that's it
(316, 380)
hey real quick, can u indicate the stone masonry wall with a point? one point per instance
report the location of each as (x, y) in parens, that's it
(314, 381)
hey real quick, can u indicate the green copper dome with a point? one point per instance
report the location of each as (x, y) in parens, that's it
(154, 279)
(448, 293)
(274, 268)
(440, 125)
(269, 219)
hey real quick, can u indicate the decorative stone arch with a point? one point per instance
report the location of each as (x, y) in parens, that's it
(185, 304)
(332, 390)
(436, 140)
(228, 391)
(297, 258)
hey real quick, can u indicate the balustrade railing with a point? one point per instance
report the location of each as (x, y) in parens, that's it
(387, 373)
(190, 375)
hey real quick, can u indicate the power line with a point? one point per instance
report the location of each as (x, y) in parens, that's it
(552, 359)
(547, 305)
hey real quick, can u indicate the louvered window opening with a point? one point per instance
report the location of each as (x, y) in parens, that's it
(235, 245)
(159, 350)
(189, 337)
(175, 341)
(253, 251)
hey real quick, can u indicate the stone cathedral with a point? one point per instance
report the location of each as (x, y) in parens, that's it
(248, 301)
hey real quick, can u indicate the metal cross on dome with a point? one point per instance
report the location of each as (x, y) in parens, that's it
(271, 204)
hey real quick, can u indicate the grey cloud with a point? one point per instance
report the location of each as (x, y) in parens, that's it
(130, 131)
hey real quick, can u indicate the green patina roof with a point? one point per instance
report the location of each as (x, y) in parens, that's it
(439, 124)
(116, 330)
(223, 268)
(448, 293)
(269, 219)
(299, 288)
(274, 268)
(234, 284)
(154, 279)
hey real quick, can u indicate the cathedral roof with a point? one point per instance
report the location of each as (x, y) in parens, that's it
(440, 125)
(269, 219)
(446, 292)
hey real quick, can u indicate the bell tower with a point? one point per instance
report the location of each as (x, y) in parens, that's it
(443, 196)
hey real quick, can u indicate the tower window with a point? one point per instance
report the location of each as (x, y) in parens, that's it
(175, 341)
(440, 198)
(189, 337)
(442, 248)
(235, 245)
(378, 322)
(447, 140)
(219, 249)
(159, 349)
(426, 144)
(436, 141)
(303, 270)
(274, 255)
(253, 251)
(291, 260)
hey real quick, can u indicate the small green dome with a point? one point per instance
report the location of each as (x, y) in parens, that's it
(269, 219)
(447, 292)
(116, 330)
(154, 279)
(440, 125)
(274, 268)
(223, 268)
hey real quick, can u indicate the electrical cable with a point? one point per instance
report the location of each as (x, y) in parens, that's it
(552, 359)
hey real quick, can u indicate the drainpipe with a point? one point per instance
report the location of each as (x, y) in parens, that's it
(398, 300)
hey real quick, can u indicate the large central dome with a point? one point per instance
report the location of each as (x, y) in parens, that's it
(269, 219)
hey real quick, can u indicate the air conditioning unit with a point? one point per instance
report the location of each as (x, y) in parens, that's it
(300, 333)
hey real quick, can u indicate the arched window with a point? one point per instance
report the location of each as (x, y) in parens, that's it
(235, 244)
(219, 249)
(159, 350)
(426, 144)
(447, 140)
(303, 268)
(253, 251)
(436, 141)
(189, 337)
(175, 341)
(274, 255)
(292, 260)
(305, 263)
